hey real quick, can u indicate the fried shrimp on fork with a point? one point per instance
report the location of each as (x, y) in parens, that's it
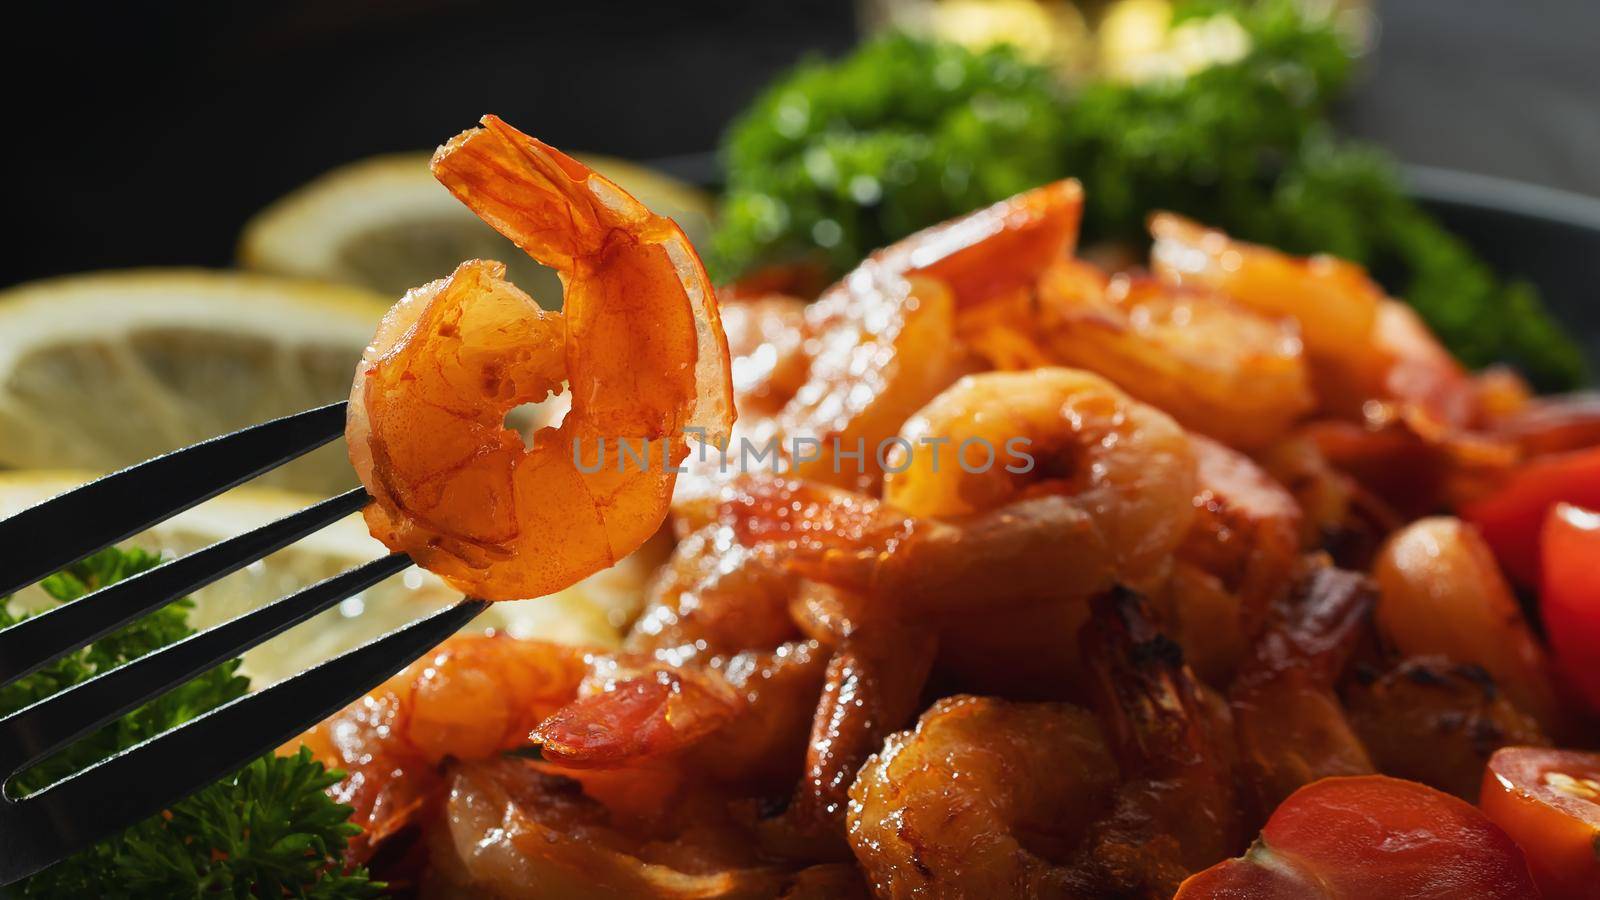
(638, 345)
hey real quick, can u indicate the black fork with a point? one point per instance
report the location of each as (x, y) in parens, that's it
(57, 821)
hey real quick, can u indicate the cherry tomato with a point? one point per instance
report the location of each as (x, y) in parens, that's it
(1549, 802)
(1371, 836)
(1510, 517)
(1569, 599)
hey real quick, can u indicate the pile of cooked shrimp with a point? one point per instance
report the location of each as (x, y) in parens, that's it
(1247, 623)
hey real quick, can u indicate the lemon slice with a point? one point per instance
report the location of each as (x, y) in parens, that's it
(105, 370)
(592, 612)
(384, 223)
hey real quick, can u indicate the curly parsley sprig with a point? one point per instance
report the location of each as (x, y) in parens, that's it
(269, 830)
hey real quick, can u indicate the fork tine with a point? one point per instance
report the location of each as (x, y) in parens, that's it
(105, 798)
(27, 646)
(61, 531)
(34, 732)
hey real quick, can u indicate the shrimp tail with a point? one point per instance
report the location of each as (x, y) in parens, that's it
(1174, 813)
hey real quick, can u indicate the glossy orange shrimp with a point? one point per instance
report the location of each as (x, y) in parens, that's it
(1334, 302)
(885, 333)
(1246, 536)
(767, 339)
(999, 437)
(1175, 811)
(1338, 515)
(876, 665)
(1217, 367)
(1436, 721)
(512, 831)
(984, 798)
(1290, 726)
(471, 698)
(638, 344)
(875, 678)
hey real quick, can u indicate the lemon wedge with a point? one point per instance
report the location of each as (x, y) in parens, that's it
(105, 370)
(384, 223)
(592, 612)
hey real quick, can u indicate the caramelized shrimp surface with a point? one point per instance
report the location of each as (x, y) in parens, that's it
(638, 345)
(984, 798)
(1003, 436)
(1218, 367)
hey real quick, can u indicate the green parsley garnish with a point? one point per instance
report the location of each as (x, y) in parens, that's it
(267, 831)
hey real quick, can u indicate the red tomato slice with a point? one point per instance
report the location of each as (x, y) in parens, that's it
(1366, 837)
(1569, 600)
(1510, 517)
(1549, 802)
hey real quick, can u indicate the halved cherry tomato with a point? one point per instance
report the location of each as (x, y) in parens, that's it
(1370, 836)
(1510, 517)
(1569, 599)
(1549, 802)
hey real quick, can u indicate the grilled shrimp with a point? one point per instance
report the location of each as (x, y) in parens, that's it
(1338, 515)
(1290, 726)
(875, 679)
(984, 798)
(638, 344)
(1219, 368)
(767, 345)
(1441, 593)
(511, 831)
(1334, 302)
(885, 333)
(1239, 557)
(1436, 721)
(999, 437)
(471, 698)
(1175, 811)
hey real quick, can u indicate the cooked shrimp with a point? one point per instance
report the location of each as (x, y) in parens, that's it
(999, 437)
(510, 831)
(1239, 557)
(1436, 721)
(1175, 811)
(1246, 531)
(1217, 367)
(1552, 424)
(1422, 374)
(639, 344)
(767, 340)
(1334, 302)
(988, 253)
(716, 596)
(1416, 472)
(885, 333)
(1441, 593)
(1048, 546)
(471, 698)
(1339, 516)
(882, 351)
(984, 798)
(1290, 727)
(628, 711)
(875, 679)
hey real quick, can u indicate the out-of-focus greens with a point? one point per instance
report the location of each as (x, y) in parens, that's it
(839, 158)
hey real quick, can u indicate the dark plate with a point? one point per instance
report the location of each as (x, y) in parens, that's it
(1549, 237)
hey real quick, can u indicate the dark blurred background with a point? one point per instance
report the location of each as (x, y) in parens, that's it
(146, 134)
